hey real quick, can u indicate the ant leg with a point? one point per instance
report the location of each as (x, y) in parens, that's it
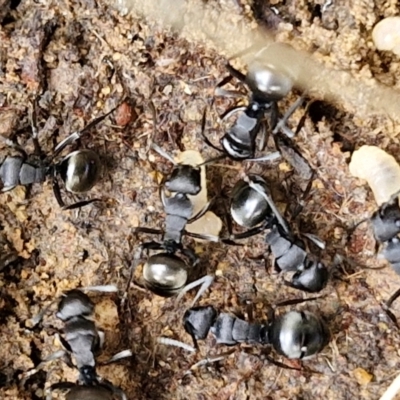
(162, 153)
(37, 318)
(33, 121)
(101, 288)
(303, 118)
(389, 303)
(205, 282)
(201, 236)
(228, 221)
(212, 160)
(280, 364)
(281, 125)
(205, 138)
(223, 92)
(119, 356)
(151, 231)
(57, 192)
(249, 233)
(209, 360)
(273, 116)
(236, 73)
(77, 135)
(263, 137)
(80, 204)
(60, 201)
(351, 230)
(268, 157)
(42, 364)
(315, 239)
(231, 111)
(191, 255)
(202, 211)
(300, 204)
(176, 343)
(296, 301)
(134, 263)
(151, 246)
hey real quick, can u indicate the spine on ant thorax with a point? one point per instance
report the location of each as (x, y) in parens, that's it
(230, 330)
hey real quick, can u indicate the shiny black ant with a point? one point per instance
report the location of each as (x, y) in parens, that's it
(386, 226)
(166, 274)
(252, 207)
(80, 170)
(83, 341)
(267, 86)
(295, 335)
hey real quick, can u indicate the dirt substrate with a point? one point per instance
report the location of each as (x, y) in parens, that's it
(79, 59)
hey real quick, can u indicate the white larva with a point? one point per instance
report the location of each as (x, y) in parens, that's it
(379, 169)
(386, 35)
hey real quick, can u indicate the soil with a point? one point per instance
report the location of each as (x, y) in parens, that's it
(78, 60)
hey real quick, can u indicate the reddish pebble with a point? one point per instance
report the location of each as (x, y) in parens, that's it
(125, 114)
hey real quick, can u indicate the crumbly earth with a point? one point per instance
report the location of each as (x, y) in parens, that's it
(81, 58)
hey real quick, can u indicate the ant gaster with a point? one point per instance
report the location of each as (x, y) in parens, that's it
(80, 170)
(296, 335)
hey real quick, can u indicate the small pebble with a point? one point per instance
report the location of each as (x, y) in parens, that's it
(362, 376)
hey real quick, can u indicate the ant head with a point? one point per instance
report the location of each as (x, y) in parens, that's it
(165, 274)
(73, 304)
(184, 179)
(80, 170)
(268, 82)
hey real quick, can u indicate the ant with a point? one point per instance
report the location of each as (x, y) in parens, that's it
(165, 273)
(267, 86)
(80, 170)
(252, 207)
(83, 341)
